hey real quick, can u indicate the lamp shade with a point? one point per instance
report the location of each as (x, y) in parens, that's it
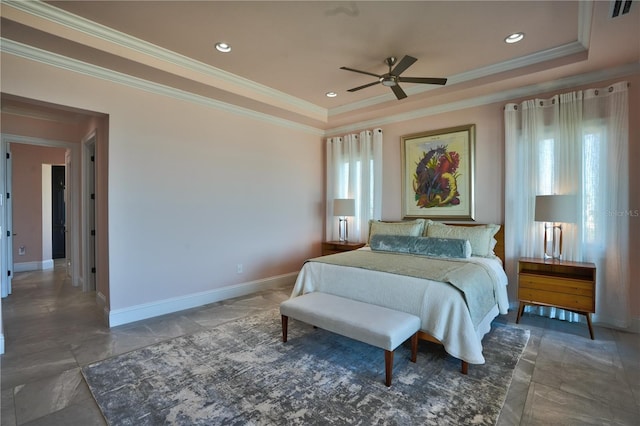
(555, 208)
(344, 207)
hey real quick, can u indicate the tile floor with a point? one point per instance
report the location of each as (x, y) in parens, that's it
(51, 329)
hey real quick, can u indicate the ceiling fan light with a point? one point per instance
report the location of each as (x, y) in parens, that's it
(514, 38)
(223, 47)
(388, 81)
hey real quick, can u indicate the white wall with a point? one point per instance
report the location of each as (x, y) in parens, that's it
(193, 190)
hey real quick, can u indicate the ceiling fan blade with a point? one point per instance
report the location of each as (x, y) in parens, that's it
(361, 72)
(423, 80)
(404, 63)
(397, 90)
(363, 87)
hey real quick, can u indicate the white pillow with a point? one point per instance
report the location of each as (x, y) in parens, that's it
(480, 236)
(412, 228)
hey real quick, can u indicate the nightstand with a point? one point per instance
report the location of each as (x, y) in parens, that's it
(558, 283)
(333, 247)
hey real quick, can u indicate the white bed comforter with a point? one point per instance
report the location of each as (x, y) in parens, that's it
(440, 306)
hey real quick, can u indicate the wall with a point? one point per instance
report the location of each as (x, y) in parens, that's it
(49, 129)
(27, 199)
(193, 191)
(489, 155)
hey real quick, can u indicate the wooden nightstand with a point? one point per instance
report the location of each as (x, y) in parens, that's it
(333, 247)
(558, 283)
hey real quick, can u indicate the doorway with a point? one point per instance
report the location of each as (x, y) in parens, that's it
(58, 212)
(53, 125)
(31, 249)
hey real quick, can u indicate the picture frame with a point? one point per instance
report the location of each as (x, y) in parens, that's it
(438, 174)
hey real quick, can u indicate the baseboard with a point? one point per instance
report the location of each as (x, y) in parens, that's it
(101, 300)
(149, 310)
(36, 265)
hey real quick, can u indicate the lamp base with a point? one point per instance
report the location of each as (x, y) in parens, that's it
(343, 229)
(553, 242)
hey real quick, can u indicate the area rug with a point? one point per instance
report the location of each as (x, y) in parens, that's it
(240, 373)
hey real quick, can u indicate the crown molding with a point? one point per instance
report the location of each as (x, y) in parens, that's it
(503, 96)
(238, 84)
(59, 61)
(585, 13)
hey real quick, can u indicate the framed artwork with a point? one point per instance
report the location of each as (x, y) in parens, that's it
(438, 174)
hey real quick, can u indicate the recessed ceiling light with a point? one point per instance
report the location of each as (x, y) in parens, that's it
(331, 94)
(223, 47)
(514, 38)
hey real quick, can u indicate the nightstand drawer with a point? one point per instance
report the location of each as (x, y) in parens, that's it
(561, 300)
(555, 284)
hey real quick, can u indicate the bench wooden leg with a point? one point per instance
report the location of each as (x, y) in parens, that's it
(465, 367)
(414, 347)
(388, 366)
(285, 323)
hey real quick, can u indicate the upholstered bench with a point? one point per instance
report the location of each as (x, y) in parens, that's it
(371, 324)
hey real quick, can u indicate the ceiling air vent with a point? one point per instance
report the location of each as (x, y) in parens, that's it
(620, 7)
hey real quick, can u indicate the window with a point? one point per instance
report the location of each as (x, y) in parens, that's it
(354, 170)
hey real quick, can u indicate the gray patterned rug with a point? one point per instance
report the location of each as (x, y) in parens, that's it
(240, 373)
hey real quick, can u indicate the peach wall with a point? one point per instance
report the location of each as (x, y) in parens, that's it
(45, 129)
(192, 190)
(634, 193)
(27, 197)
(489, 159)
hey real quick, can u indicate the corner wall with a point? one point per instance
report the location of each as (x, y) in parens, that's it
(193, 191)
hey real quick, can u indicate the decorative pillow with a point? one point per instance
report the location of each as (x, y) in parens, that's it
(424, 246)
(413, 228)
(480, 237)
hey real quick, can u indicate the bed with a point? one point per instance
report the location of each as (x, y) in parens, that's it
(395, 278)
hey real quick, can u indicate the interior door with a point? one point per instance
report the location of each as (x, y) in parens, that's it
(7, 231)
(89, 205)
(58, 214)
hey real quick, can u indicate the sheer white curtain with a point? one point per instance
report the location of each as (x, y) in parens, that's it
(573, 143)
(354, 170)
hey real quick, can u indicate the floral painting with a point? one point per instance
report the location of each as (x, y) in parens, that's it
(435, 179)
(438, 173)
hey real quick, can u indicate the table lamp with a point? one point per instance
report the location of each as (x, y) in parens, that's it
(554, 210)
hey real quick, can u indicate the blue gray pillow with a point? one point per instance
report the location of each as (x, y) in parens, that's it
(423, 246)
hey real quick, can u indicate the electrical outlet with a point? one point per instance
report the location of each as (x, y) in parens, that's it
(22, 251)
(239, 268)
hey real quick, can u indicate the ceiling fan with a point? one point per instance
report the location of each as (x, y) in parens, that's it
(392, 78)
